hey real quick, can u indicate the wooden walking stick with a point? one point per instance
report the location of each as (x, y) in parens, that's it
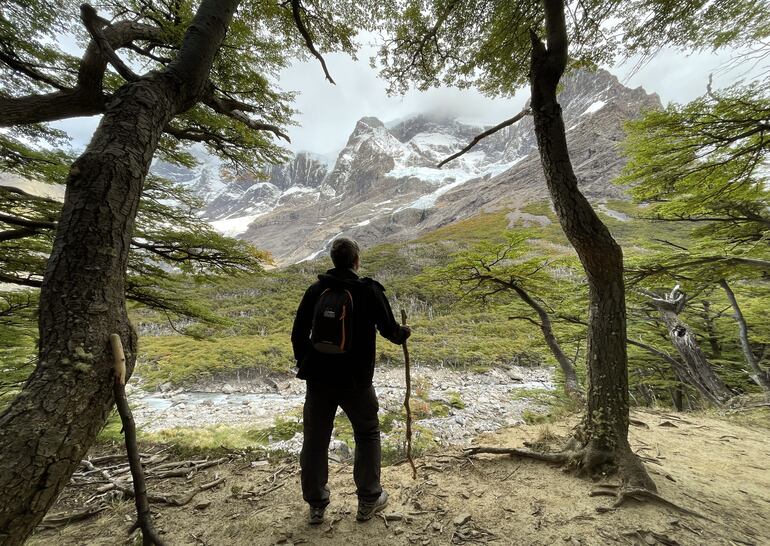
(143, 516)
(406, 403)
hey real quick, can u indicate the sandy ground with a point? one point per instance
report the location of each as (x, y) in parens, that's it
(710, 466)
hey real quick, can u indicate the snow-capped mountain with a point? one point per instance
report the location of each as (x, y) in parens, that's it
(384, 184)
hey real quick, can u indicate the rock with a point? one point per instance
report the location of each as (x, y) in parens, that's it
(228, 389)
(181, 406)
(202, 505)
(340, 449)
(165, 387)
(398, 531)
(462, 519)
(129, 389)
(207, 403)
(246, 402)
(436, 526)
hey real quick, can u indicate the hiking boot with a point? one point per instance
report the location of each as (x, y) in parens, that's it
(366, 510)
(316, 515)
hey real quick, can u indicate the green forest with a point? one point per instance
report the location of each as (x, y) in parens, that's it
(643, 312)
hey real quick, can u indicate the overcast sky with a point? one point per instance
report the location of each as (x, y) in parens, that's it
(329, 112)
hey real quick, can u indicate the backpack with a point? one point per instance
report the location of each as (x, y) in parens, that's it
(332, 330)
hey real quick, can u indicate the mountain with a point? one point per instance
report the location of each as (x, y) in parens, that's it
(384, 186)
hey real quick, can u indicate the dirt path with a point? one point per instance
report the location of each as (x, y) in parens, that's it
(711, 466)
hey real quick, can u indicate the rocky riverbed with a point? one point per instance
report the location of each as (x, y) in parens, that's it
(472, 402)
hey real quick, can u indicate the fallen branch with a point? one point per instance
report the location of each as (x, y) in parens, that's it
(172, 500)
(556, 458)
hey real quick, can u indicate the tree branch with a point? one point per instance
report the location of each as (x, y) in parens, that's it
(234, 109)
(28, 70)
(478, 138)
(295, 11)
(94, 25)
(86, 98)
(26, 223)
(21, 281)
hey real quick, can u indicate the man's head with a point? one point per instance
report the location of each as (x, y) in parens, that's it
(345, 253)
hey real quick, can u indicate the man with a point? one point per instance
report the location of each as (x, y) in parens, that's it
(334, 341)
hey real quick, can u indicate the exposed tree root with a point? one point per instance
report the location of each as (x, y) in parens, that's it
(172, 500)
(637, 485)
(58, 520)
(622, 494)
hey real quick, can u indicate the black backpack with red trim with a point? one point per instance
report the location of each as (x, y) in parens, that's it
(332, 330)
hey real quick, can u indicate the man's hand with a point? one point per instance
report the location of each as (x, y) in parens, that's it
(406, 331)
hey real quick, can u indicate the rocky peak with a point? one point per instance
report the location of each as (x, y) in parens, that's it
(585, 92)
(384, 184)
(303, 170)
(406, 129)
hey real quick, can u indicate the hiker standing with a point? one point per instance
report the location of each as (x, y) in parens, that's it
(334, 341)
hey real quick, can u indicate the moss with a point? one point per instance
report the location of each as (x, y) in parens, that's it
(439, 408)
(394, 446)
(455, 400)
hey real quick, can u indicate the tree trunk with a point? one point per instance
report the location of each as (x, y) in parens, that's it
(571, 383)
(695, 368)
(605, 426)
(761, 377)
(711, 331)
(48, 428)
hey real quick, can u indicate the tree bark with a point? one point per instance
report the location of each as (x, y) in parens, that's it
(605, 425)
(694, 369)
(761, 377)
(571, 383)
(48, 428)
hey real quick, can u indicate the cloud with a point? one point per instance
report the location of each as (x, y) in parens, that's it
(328, 113)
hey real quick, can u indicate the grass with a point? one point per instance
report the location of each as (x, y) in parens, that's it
(556, 405)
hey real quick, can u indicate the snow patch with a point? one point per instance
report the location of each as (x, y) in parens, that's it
(232, 227)
(595, 107)
(429, 200)
(297, 189)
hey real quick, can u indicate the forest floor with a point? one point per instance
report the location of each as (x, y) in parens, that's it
(709, 465)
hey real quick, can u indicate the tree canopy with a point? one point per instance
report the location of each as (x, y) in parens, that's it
(241, 119)
(487, 44)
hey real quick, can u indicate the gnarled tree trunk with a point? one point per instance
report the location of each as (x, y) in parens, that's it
(49, 427)
(604, 435)
(694, 368)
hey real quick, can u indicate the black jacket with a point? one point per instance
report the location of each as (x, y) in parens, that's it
(371, 311)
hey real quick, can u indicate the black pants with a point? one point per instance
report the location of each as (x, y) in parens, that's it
(360, 405)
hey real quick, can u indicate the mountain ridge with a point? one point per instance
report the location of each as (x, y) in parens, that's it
(383, 185)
